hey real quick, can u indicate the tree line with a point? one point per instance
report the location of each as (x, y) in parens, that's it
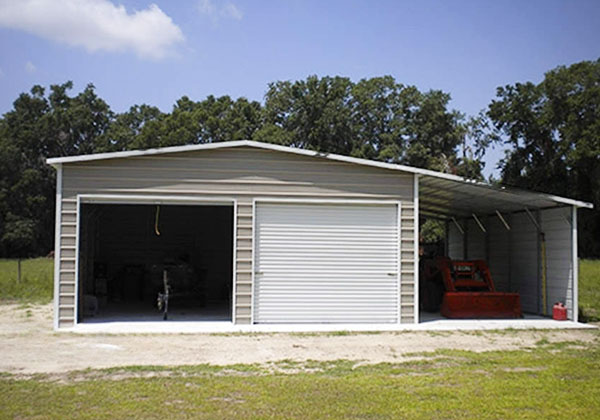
(552, 130)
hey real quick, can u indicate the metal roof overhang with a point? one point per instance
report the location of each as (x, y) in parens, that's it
(446, 198)
(440, 195)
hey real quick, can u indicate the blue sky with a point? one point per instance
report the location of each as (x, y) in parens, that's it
(139, 51)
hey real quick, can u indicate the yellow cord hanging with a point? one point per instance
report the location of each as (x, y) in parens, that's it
(156, 221)
(544, 275)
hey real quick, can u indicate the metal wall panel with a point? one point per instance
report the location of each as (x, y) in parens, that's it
(524, 261)
(326, 263)
(556, 224)
(455, 242)
(499, 253)
(475, 241)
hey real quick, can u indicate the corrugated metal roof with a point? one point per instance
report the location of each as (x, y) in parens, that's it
(441, 194)
(446, 198)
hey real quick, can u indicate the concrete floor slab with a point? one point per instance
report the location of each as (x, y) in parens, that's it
(193, 327)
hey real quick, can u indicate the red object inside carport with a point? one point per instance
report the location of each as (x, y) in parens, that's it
(559, 312)
(470, 292)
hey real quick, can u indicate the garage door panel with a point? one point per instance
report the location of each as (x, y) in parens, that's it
(326, 263)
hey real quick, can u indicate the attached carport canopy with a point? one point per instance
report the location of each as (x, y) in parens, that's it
(444, 197)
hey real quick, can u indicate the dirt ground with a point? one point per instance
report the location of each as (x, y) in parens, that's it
(29, 345)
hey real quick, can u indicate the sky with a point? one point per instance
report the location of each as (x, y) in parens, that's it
(139, 51)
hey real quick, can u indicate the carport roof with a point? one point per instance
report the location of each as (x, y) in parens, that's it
(442, 195)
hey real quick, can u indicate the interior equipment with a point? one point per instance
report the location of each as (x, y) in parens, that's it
(470, 292)
(163, 298)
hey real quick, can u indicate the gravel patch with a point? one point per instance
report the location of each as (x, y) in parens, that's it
(30, 346)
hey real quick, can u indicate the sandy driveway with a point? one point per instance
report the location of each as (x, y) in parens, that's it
(28, 345)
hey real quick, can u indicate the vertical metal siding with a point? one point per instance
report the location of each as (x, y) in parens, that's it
(524, 261)
(475, 241)
(556, 224)
(499, 253)
(326, 263)
(455, 242)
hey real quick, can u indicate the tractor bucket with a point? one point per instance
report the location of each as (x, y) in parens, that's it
(481, 305)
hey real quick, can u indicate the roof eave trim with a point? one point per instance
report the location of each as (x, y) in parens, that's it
(287, 149)
(260, 145)
(147, 152)
(570, 201)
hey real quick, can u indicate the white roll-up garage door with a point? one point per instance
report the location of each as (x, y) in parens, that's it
(326, 263)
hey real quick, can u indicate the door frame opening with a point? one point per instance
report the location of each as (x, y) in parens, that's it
(167, 200)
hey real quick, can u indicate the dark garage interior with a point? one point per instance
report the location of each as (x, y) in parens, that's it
(125, 250)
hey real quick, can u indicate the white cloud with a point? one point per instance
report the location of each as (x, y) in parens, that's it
(217, 9)
(207, 7)
(97, 25)
(232, 11)
(29, 67)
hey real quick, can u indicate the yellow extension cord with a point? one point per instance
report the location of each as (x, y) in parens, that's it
(156, 221)
(544, 293)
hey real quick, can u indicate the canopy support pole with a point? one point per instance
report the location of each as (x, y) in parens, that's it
(537, 225)
(479, 223)
(458, 226)
(503, 220)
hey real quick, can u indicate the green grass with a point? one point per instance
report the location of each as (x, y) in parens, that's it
(36, 280)
(541, 382)
(589, 290)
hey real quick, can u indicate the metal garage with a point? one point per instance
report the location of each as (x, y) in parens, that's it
(305, 237)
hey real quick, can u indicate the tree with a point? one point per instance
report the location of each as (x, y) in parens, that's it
(209, 121)
(309, 114)
(40, 126)
(130, 129)
(553, 133)
(375, 118)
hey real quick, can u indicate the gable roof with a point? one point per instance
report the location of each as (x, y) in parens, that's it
(440, 192)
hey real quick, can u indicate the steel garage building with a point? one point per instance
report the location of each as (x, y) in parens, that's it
(257, 233)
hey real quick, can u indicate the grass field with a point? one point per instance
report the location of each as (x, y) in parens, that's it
(37, 274)
(36, 284)
(589, 290)
(541, 382)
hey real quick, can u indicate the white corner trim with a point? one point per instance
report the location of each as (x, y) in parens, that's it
(153, 199)
(416, 223)
(399, 260)
(57, 238)
(234, 265)
(77, 241)
(267, 199)
(252, 264)
(575, 264)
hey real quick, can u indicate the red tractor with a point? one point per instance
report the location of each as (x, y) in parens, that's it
(469, 290)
